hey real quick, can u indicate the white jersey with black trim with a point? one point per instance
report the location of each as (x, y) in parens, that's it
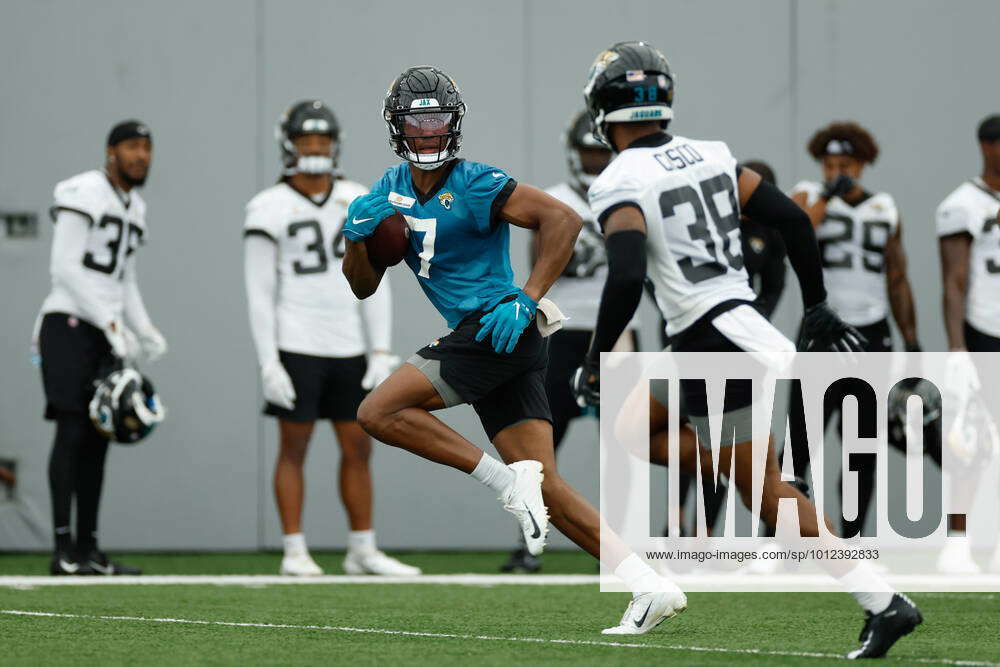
(852, 241)
(578, 290)
(315, 310)
(974, 208)
(687, 191)
(117, 226)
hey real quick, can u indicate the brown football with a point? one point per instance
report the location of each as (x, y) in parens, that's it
(388, 245)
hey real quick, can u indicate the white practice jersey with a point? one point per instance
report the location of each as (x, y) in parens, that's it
(687, 191)
(316, 311)
(117, 228)
(578, 291)
(852, 242)
(974, 208)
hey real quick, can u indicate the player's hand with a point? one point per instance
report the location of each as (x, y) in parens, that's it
(823, 330)
(364, 215)
(380, 366)
(152, 344)
(278, 387)
(838, 187)
(507, 322)
(114, 331)
(961, 379)
(586, 384)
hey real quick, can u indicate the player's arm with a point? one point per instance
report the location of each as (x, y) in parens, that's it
(260, 274)
(772, 277)
(955, 250)
(364, 214)
(816, 211)
(152, 342)
(898, 287)
(821, 327)
(556, 227)
(362, 275)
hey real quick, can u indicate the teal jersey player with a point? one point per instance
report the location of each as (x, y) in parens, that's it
(459, 245)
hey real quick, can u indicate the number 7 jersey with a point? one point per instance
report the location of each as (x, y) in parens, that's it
(687, 192)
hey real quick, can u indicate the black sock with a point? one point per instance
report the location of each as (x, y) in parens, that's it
(89, 481)
(62, 477)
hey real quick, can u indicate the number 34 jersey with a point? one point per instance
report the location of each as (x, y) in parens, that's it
(316, 312)
(687, 192)
(852, 242)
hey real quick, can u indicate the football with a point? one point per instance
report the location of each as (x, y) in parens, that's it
(388, 245)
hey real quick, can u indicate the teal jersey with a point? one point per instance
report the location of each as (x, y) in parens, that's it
(459, 246)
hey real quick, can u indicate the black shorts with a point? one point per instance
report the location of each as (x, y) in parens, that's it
(503, 389)
(73, 353)
(978, 341)
(325, 387)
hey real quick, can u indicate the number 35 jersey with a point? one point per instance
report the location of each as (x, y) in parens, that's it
(316, 313)
(687, 192)
(852, 242)
(974, 208)
(117, 226)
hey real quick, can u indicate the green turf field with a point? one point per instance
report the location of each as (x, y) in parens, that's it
(407, 623)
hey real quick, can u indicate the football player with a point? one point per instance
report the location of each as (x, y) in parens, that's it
(968, 227)
(100, 223)
(459, 213)
(309, 332)
(577, 291)
(662, 202)
(864, 264)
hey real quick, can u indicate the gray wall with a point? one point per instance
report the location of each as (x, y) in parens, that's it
(210, 78)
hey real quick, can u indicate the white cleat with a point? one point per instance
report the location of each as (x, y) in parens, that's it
(648, 610)
(523, 499)
(300, 565)
(377, 562)
(956, 557)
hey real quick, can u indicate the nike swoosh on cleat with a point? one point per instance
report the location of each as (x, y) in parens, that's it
(68, 567)
(109, 569)
(358, 222)
(642, 620)
(538, 531)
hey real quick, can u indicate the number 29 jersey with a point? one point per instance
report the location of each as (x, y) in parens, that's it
(687, 192)
(316, 313)
(852, 241)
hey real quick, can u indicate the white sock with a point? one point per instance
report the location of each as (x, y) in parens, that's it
(637, 575)
(493, 473)
(870, 590)
(954, 532)
(295, 544)
(361, 540)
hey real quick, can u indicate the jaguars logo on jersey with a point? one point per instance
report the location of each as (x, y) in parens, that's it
(446, 198)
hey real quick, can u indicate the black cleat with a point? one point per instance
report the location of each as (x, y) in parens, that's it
(883, 630)
(99, 563)
(64, 563)
(522, 562)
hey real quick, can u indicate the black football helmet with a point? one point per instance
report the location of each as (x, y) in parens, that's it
(125, 407)
(424, 103)
(579, 136)
(629, 83)
(307, 117)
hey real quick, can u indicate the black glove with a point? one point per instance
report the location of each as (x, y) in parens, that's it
(586, 384)
(823, 330)
(838, 187)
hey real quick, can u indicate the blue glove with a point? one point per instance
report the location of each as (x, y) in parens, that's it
(507, 322)
(364, 215)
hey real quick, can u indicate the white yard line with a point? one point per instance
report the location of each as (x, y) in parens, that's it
(442, 635)
(689, 582)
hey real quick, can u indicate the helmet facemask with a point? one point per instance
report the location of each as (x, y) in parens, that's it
(426, 138)
(305, 118)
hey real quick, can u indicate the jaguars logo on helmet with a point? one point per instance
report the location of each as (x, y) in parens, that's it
(125, 407)
(424, 103)
(630, 82)
(579, 135)
(307, 117)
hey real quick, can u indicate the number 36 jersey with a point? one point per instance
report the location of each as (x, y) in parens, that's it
(316, 312)
(687, 192)
(852, 241)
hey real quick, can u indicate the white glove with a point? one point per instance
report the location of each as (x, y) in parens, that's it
(152, 343)
(380, 366)
(961, 378)
(132, 345)
(278, 387)
(114, 331)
